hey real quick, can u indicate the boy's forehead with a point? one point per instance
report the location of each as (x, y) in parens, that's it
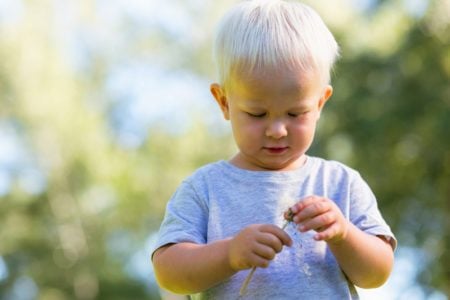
(281, 81)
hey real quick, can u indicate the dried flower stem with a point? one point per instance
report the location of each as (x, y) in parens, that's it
(246, 282)
(289, 217)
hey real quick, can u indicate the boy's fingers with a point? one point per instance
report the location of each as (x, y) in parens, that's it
(327, 234)
(319, 223)
(312, 208)
(272, 241)
(260, 262)
(279, 233)
(333, 233)
(306, 202)
(265, 252)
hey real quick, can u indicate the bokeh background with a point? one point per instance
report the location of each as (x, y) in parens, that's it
(105, 108)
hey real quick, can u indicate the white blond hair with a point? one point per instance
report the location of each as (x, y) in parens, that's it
(259, 35)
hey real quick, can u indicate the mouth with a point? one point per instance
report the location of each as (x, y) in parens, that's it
(276, 150)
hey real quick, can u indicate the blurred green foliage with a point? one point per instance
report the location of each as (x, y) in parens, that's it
(100, 201)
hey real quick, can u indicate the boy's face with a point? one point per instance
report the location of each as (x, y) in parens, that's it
(273, 117)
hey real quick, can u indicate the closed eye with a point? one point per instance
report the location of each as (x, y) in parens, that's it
(261, 115)
(294, 115)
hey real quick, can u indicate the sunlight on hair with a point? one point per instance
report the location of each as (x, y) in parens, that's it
(296, 39)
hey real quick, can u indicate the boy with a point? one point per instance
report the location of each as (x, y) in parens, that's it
(274, 59)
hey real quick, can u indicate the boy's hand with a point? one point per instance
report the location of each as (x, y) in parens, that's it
(322, 215)
(256, 245)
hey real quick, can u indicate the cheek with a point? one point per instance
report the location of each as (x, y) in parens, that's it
(247, 133)
(246, 125)
(305, 128)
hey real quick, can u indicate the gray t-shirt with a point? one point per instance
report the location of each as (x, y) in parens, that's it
(219, 200)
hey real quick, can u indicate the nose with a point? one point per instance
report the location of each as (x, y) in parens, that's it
(276, 129)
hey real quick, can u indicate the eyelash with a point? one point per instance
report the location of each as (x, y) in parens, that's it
(298, 114)
(293, 115)
(257, 115)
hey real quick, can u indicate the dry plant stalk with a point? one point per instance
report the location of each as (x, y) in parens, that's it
(290, 216)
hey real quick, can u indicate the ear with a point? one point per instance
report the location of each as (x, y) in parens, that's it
(326, 94)
(219, 94)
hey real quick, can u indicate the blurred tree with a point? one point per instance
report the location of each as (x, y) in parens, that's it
(390, 118)
(75, 239)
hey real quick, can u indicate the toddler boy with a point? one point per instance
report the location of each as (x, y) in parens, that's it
(274, 59)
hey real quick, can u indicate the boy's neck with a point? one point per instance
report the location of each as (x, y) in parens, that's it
(241, 162)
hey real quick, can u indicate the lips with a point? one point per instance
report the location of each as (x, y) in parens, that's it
(276, 150)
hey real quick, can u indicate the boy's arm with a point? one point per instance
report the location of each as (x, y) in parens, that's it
(365, 259)
(188, 268)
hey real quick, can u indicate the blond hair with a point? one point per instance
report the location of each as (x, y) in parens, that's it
(259, 35)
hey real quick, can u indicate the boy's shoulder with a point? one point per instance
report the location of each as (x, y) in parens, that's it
(208, 171)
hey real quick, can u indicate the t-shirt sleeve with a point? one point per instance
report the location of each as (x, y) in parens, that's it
(185, 219)
(364, 212)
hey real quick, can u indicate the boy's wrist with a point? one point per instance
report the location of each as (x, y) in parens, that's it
(228, 256)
